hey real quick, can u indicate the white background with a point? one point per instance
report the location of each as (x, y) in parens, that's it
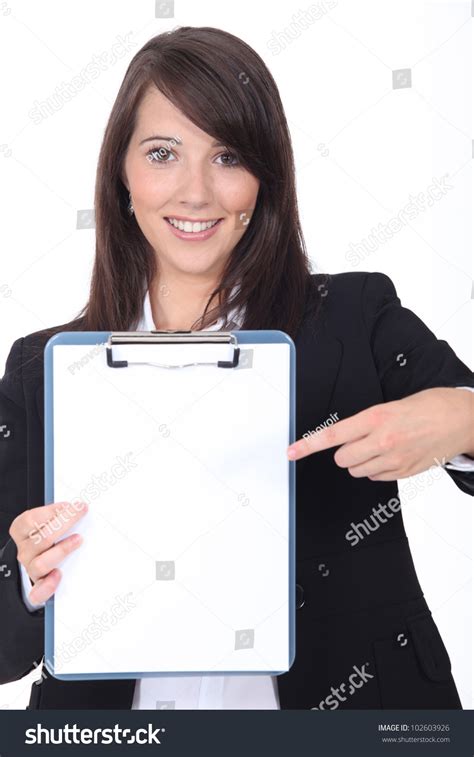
(361, 147)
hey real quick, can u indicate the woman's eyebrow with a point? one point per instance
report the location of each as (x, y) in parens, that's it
(175, 139)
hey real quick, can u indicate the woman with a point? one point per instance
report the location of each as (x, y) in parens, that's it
(197, 228)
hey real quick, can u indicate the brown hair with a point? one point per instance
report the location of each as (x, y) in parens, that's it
(222, 85)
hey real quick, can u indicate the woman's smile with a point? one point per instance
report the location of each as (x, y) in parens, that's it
(193, 230)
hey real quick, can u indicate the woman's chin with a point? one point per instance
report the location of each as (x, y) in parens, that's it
(198, 264)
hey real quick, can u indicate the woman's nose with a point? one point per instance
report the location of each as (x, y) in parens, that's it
(196, 185)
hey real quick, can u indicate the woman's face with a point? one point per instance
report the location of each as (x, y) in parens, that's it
(174, 170)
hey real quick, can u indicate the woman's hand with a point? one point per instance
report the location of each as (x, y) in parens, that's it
(35, 532)
(401, 438)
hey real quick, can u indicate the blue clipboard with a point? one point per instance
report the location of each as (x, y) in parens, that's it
(104, 354)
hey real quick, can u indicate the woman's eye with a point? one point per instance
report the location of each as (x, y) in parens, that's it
(161, 154)
(158, 155)
(232, 157)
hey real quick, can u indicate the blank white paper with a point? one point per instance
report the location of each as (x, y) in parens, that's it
(185, 559)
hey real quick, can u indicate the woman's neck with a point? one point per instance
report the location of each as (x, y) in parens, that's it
(177, 304)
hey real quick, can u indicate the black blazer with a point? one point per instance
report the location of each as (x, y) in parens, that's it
(365, 637)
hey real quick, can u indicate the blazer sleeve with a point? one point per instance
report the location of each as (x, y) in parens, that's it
(21, 631)
(408, 356)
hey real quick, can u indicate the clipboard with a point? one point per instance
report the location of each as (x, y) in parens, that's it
(177, 441)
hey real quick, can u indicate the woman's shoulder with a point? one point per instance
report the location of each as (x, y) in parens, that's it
(352, 281)
(41, 337)
(35, 342)
(25, 357)
(351, 292)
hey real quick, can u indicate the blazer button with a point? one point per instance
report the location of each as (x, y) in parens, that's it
(299, 597)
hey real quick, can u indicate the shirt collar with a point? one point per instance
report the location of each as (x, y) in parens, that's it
(147, 324)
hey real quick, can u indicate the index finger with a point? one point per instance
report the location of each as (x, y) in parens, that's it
(347, 430)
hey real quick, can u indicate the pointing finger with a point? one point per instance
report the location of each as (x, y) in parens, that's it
(347, 430)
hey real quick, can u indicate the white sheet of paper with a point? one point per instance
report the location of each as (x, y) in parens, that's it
(185, 559)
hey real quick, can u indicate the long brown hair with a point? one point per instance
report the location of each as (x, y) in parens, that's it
(222, 85)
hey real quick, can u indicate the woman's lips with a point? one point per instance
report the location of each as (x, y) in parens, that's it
(194, 236)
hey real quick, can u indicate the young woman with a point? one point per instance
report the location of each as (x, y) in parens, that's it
(197, 228)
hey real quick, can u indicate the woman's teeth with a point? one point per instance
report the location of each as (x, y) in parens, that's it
(192, 227)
